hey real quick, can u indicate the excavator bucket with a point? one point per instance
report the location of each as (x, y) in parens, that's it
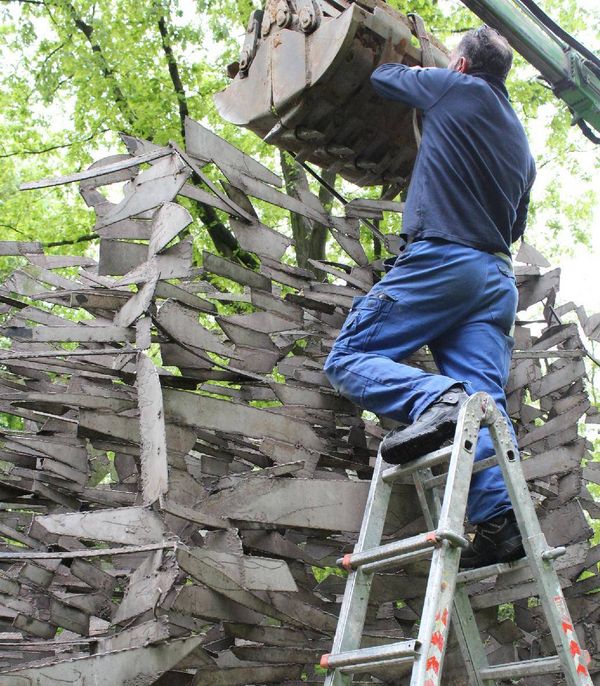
(302, 83)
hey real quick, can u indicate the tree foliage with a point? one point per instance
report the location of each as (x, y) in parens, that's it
(78, 71)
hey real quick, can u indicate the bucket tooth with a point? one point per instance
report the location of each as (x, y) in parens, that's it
(339, 150)
(366, 165)
(312, 135)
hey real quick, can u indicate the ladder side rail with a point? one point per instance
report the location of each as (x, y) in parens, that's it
(355, 602)
(435, 617)
(571, 655)
(469, 638)
(428, 498)
(463, 619)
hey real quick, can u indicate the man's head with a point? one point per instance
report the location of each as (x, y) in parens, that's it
(482, 49)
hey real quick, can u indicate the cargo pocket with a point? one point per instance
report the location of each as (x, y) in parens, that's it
(504, 308)
(364, 321)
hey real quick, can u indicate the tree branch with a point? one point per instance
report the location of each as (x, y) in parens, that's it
(302, 228)
(53, 52)
(225, 242)
(26, 2)
(174, 73)
(386, 189)
(462, 29)
(107, 71)
(12, 228)
(320, 232)
(80, 239)
(53, 147)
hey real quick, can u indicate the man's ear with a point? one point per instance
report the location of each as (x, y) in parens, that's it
(463, 65)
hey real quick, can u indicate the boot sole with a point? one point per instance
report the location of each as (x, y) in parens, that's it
(508, 552)
(402, 451)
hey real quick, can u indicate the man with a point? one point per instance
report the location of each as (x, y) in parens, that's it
(454, 288)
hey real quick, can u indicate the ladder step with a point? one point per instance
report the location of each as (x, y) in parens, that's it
(372, 667)
(381, 655)
(384, 553)
(471, 575)
(397, 561)
(431, 459)
(434, 481)
(542, 665)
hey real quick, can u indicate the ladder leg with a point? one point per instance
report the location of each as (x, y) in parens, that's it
(572, 656)
(428, 499)
(463, 620)
(358, 586)
(469, 638)
(435, 618)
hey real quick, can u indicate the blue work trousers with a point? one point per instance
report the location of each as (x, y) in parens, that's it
(461, 303)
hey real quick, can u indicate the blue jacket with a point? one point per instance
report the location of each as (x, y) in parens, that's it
(474, 170)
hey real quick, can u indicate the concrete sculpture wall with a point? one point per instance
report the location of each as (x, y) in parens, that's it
(183, 470)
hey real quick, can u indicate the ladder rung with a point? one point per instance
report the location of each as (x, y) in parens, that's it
(470, 575)
(369, 656)
(438, 480)
(398, 471)
(542, 665)
(407, 545)
(398, 561)
(370, 667)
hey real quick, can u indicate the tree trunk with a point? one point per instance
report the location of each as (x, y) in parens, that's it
(310, 236)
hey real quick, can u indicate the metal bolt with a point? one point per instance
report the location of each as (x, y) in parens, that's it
(553, 553)
(281, 17)
(266, 25)
(306, 19)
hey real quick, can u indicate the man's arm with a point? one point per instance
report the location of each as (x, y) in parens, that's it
(518, 228)
(420, 88)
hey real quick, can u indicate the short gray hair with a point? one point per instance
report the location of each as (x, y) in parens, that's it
(486, 51)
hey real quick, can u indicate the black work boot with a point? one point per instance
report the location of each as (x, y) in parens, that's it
(428, 432)
(497, 540)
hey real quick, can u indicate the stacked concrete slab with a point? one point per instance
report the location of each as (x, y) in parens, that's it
(180, 477)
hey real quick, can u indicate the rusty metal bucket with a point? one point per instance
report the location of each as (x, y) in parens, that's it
(302, 84)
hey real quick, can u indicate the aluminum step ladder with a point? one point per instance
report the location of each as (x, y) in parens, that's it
(446, 594)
